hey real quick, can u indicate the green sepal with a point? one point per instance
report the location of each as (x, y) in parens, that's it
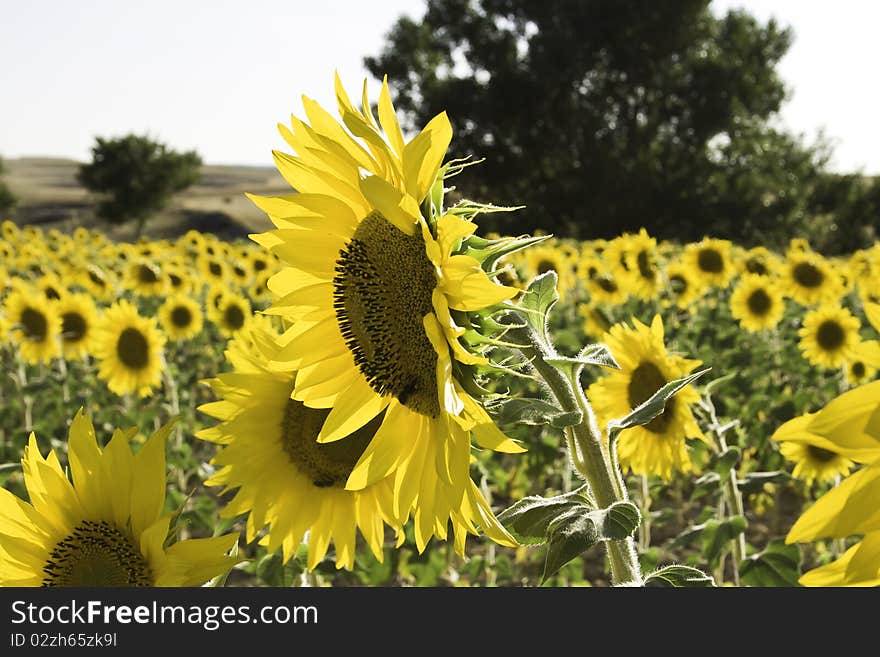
(678, 576)
(525, 410)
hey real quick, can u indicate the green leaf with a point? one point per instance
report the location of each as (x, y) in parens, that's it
(525, 410)
(568, 537)
(529, 518)
(778, 565)
(594, 354)
(717, 536)
(717, 383)
(678, 577)
(539, 298)
(727, 460)
(620, 521)
(654, 406)
(754, 481)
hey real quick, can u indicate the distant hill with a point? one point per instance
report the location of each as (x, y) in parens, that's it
(50, 197)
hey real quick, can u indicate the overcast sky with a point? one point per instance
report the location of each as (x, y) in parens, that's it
(217, 76)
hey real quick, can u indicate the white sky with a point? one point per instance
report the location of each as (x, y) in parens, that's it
(218, 75)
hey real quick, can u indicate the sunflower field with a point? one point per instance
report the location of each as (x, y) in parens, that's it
(379, 391)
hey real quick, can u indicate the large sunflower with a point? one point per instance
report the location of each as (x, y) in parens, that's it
(659, 446)
(129, 350)
(286, 481)
(829, 336)
(374, 288)
(36, 326)
(757, 303)
(107, 527)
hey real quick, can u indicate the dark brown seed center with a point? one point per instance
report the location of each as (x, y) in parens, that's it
(132, 349)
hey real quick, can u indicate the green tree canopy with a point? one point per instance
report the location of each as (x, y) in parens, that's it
(137, 176)
(602, 116)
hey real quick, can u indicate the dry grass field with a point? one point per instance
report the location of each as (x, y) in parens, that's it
(50, 196)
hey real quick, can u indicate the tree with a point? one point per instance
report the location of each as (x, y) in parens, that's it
(7, 199)
(602, 116)
(137, 177)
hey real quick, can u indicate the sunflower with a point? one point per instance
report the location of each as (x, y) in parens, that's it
(51, 286)
(146, 278)
(658, 447)
(710, 262)
(231, 314)
(181, 317)
(107, 527)
(814, 463)
(759, 261)
(97, 281)
(829, 336)
(863, 364)
(213, 269)
(605, 288)
(373, 289)
(286, 481)
(809, 279)
(546, 257)
(682, 286)
(642, 259)
(858, 566)
(179, 279)
(78, 319)
(129, 350)
(36, 326)
(757, 303)
(595, 321)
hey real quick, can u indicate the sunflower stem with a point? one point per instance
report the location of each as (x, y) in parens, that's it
(584, 439)
(645, 525)
(732, 496)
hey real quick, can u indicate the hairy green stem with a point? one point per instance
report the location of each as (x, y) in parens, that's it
(588, 452)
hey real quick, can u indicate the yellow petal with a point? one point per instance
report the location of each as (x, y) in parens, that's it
(390, 203)
(353, 409)
(389, 119)
(423, 156)
(148, 481)
(467, 287)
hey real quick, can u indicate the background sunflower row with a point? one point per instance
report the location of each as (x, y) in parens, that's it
(131, 330)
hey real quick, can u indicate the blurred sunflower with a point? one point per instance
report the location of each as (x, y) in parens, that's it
(78, 318)
(682, 286)
(641, 254)
(370, 285)
(146, 278)
(213, 269)
(181, 317)
(757, 303)
(604, 288)
(96, 281)
(829, 336)
(286, 481)
(657, 448)
(51, 286)
(545, 257)
(129, 350)
(107, 527)
(36, 327)
(760, 261)
(863, 364)
(809, 279)
(709, 261)
(595, 321)
(231, 314)
(814, 463)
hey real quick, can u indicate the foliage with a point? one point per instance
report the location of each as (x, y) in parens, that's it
(137, 176)
(603, 116)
